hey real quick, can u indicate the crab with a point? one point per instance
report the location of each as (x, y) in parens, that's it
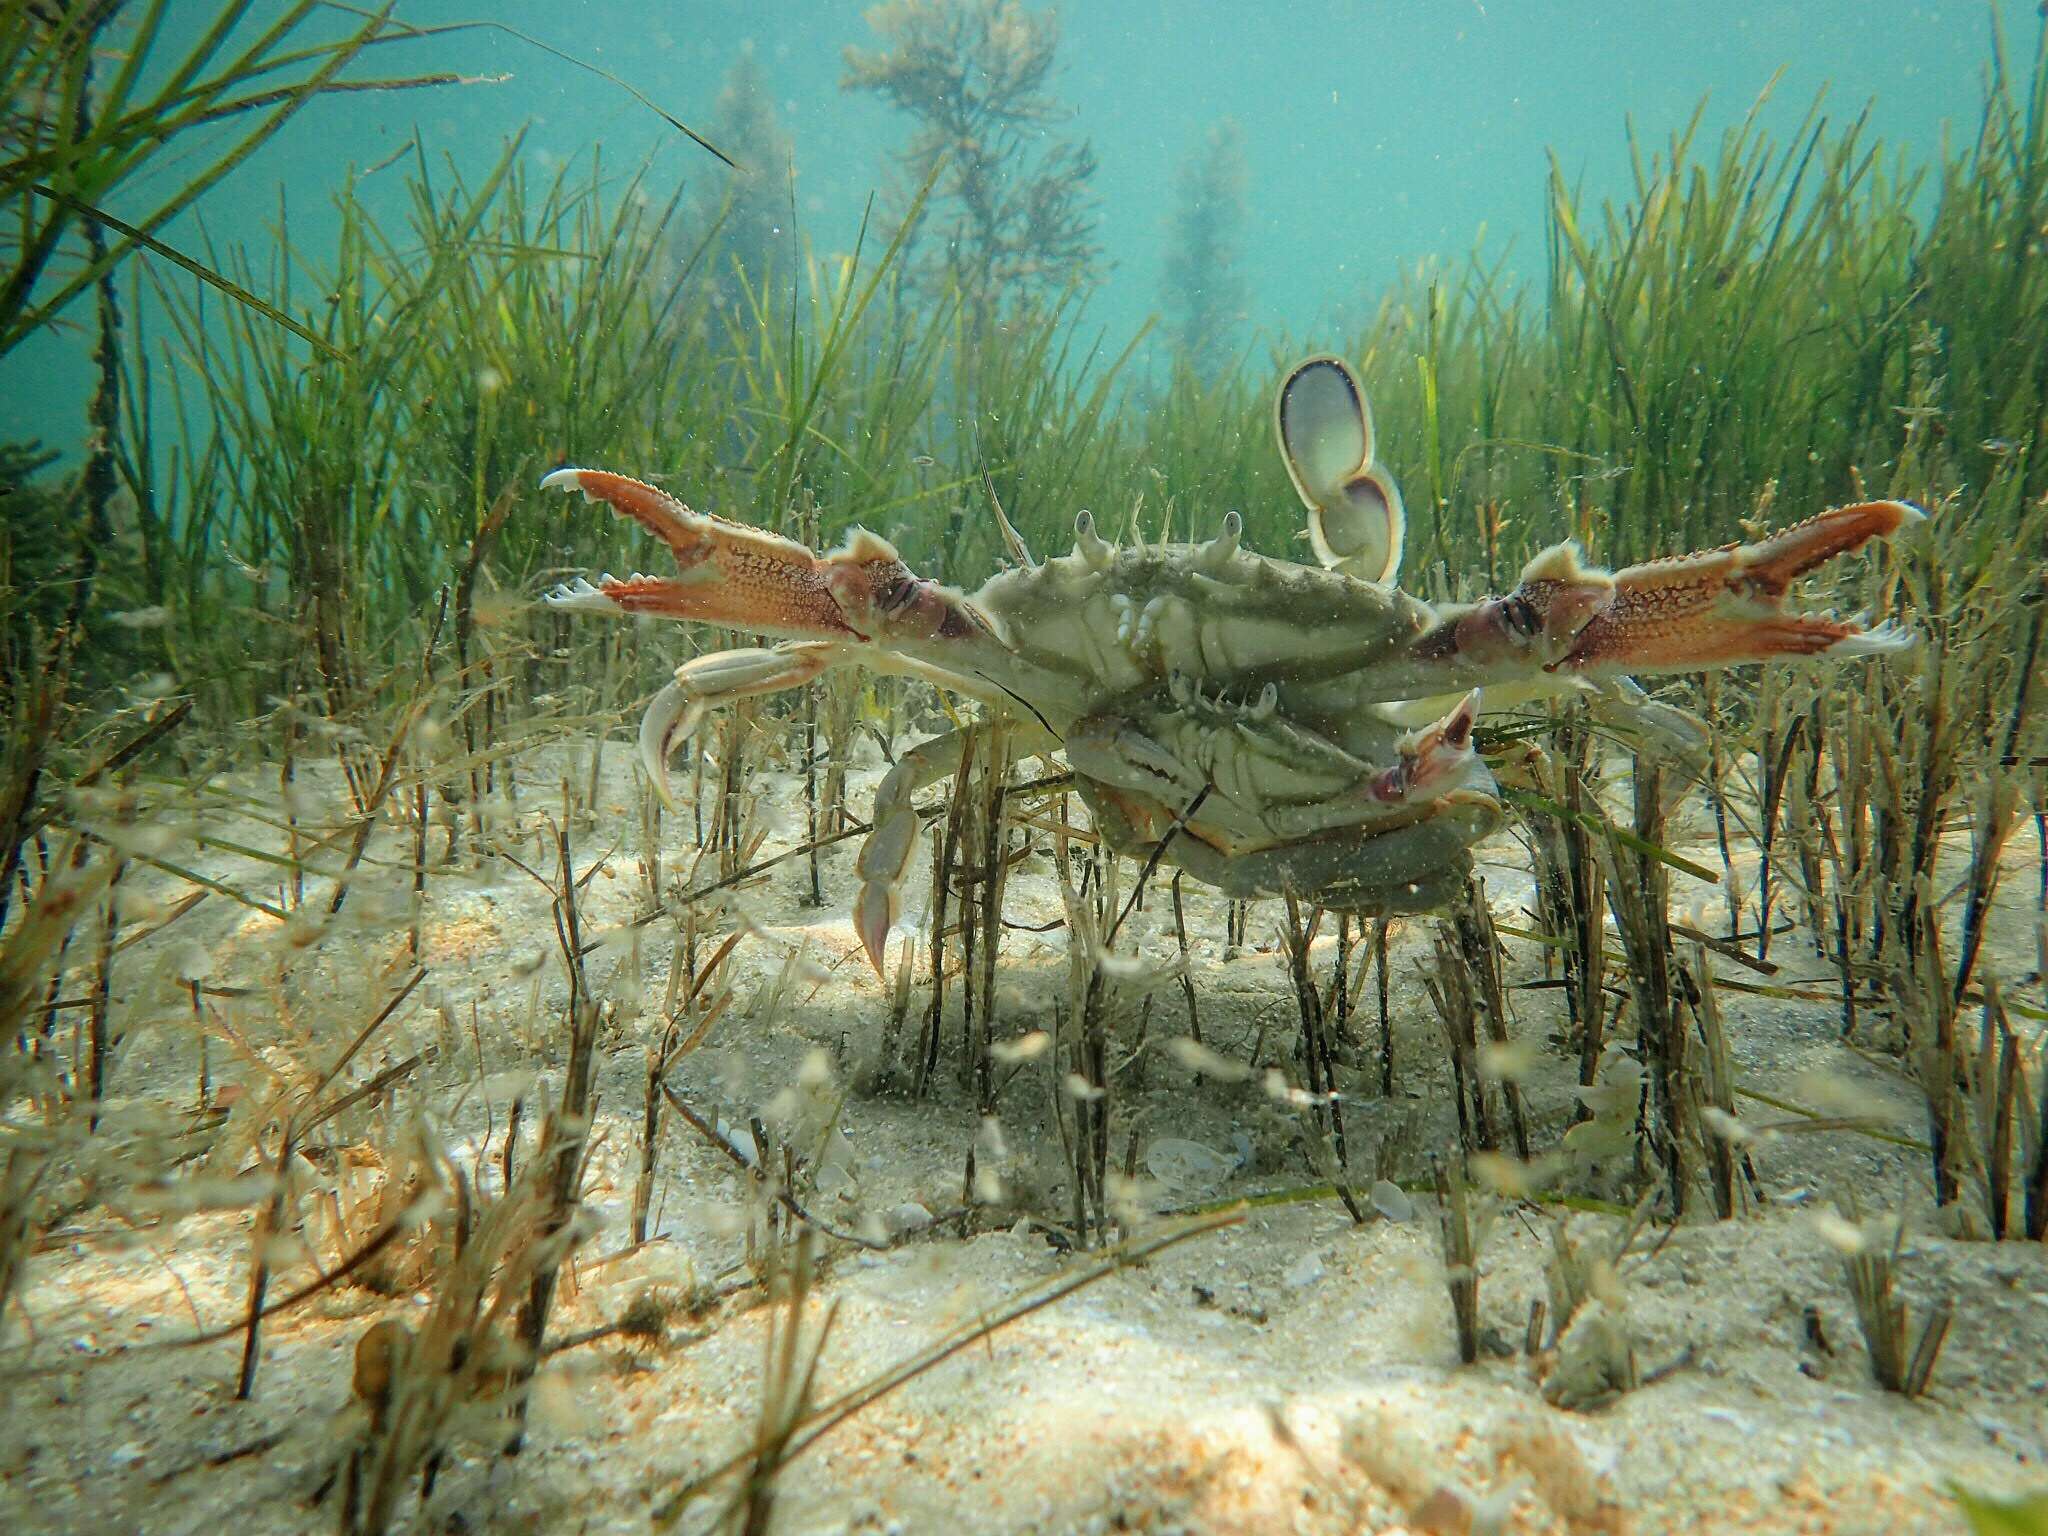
(1270, 727)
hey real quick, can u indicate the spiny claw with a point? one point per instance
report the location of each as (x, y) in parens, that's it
(1885, 639)
(1433, 758)
(668, 723)
(747, 579)
(1716, 608)
(1774, 562)
(730, 574)
(1722, 607)
(654, 509)
(580, 596)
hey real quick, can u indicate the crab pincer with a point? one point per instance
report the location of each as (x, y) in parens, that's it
(1714, 608)
(728, 573)
(1722, 607)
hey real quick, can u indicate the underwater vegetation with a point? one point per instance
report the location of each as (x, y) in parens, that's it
(1007, 216)
(1205, 294)
(748, 211)
(351, 965)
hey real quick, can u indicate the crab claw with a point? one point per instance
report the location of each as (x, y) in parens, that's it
(1432, 759)
(730, 574)
(1723, 607)
(747, 579)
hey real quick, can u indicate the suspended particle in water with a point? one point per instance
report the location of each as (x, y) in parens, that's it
(1197, 1057)
(1391, 1201)
(1024, 1048)
(1839, 1233)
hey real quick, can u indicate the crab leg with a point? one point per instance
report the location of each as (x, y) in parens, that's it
(730, 574)
(886, 854)
(714, 679)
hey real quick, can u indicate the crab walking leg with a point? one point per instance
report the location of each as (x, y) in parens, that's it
(1116, 752)
(714, 679)
(886, 854)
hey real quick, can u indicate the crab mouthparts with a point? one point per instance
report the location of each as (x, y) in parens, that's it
(1433, 758)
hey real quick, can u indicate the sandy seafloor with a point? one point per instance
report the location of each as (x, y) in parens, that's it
(1294, 1373)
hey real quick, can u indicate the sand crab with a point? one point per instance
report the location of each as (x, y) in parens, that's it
(1250, 720)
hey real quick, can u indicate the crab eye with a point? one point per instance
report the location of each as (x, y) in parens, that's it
(1518, 616)
(897, 593)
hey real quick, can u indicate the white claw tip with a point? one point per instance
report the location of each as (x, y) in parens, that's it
(1888, 639)
(579, 596)
(1457, 725)
(569, 480)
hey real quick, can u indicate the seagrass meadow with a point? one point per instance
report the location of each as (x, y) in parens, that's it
(411, 1120)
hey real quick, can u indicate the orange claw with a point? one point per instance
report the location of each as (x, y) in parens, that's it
(746, 579)
(731, 574)
(1721, 607)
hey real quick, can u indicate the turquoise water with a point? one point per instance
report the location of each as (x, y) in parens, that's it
(1375, 135)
